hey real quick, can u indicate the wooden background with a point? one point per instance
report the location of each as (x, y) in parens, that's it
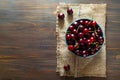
(28, 43)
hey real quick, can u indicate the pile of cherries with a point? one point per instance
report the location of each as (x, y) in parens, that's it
(84, 37)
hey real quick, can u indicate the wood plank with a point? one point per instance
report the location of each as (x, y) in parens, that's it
(28, 44)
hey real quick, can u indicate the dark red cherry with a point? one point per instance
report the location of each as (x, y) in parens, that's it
(94, 23)
(72, 36)
(85, 31)
(68, 36)
(93, 35)
(90, 29)
(100, 38)
(86, 23)
(74, 31)
(71, 47)
(81, 27)
(67, 67)
(71, 28)
(92, 39)
(75, 23)
(81, 22)
(61, 16)
(80, 35)
(84, 52)
(81, 41)
(99, 31)
(88, 41)
(69, 11)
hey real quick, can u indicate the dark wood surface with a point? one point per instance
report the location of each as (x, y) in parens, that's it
(28, 43)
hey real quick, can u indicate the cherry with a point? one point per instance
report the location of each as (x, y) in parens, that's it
(85, 31)
(75, 24)
(81, 41)
(72, 36)
(84, 38)
(84, 52)
(99, 31)
(77, 52)
(101, 42)
(92, 39)
(93, 35)
(81, 22)
(94, 23)
(88, 35)
(80, 35)
(100, 38)
(74, 31)
(90, 29)
(68, 36)
(71, 28)
(69, 11)
(67, 67)
(88, 42)
(71, 47)
(86, 23)
(61, 16)
(81, 27)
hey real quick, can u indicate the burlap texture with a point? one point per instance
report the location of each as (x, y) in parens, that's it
(79, 67)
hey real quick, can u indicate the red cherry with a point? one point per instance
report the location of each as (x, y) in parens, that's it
(93, 35)
(69, 11)
(75, 23)
(81, 27)
(70, 47)
(67, 67)
(99, 31)
(75, 31)
(71, 28)
(101, 42)
(68, 36)
(89, 28)
(61, 16)
(86, 23)
(85, 31)
(72, 36)
(92, 39)
(81, 22)
(88, 41)
(100, 38)
(84, 38)
(94, 23)
(81, 41)
(80, 35)
(84, 52)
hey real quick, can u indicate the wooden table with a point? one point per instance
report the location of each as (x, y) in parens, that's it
(28, 43)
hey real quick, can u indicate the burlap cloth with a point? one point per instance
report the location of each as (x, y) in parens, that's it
(80, 67)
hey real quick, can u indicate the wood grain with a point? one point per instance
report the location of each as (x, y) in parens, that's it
(28, 43)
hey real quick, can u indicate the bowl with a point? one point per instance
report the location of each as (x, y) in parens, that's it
(84, 38)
